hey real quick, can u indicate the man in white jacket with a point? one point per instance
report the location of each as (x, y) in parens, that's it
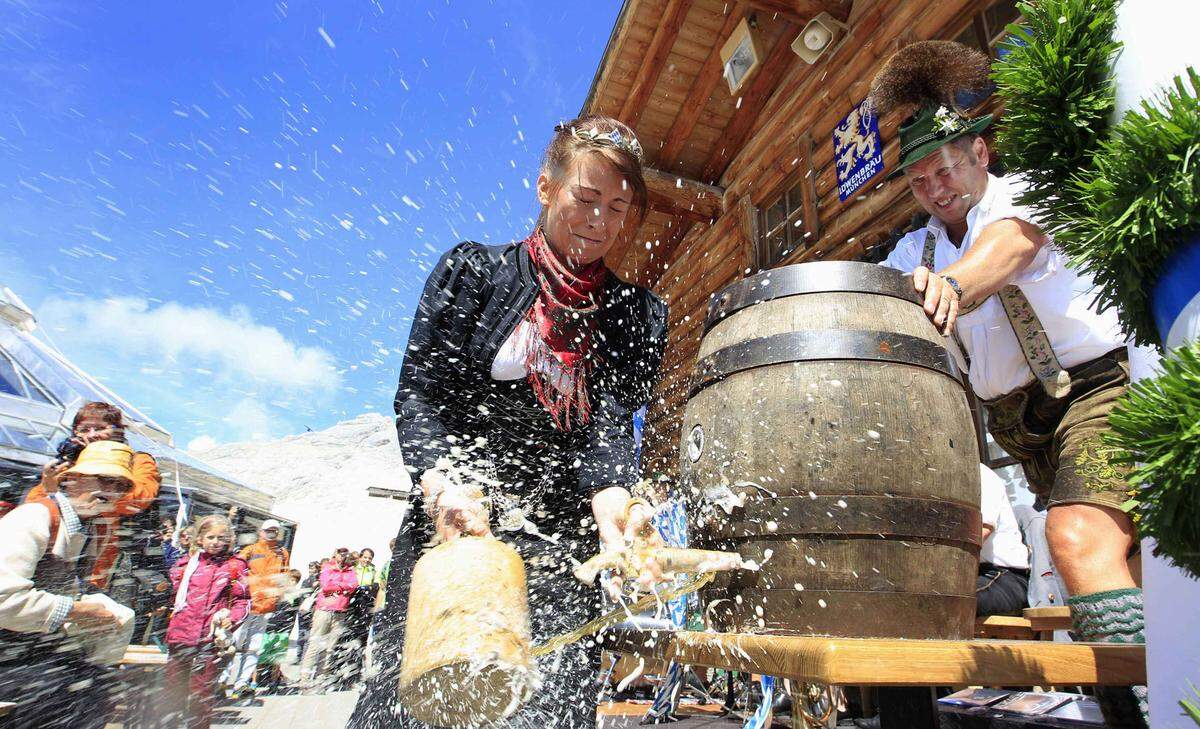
(44, 550)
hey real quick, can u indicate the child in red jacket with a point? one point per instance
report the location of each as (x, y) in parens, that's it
(211, 599)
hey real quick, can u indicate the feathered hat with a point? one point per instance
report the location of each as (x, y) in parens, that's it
(926, 80)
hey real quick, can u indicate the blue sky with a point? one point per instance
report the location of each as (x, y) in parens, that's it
(225, 211)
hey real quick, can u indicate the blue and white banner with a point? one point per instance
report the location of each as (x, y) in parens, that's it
(857, 150)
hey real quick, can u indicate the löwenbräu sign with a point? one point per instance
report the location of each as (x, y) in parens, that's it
(857, 150)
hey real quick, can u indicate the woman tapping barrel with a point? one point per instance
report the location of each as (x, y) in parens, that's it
(524, 367)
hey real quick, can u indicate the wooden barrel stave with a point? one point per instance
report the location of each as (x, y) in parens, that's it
(919, 616)
(870, 565)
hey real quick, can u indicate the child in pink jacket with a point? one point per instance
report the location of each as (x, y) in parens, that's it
(211, 599)
(338, 582)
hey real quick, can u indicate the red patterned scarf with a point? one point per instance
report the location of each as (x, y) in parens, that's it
(562, 318)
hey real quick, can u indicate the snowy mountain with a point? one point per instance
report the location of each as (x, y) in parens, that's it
(320, 480)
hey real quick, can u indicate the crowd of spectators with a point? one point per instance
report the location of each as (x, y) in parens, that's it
(224, 616)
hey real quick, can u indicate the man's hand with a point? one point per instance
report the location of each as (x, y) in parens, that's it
(92, 616)
(941, 300)
(52, 476)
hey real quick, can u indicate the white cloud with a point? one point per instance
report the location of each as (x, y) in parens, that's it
(201, 444)
(181, 339)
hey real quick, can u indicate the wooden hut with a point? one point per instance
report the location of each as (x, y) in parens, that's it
(743, 171)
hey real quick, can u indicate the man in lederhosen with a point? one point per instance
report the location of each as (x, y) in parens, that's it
(1046, 363)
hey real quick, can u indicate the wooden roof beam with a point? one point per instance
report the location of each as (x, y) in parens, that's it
(655, 60)
(800, 12)
(702, 89)
(686, 195)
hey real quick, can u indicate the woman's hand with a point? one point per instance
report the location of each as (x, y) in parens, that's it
(623, 522)
(456, 511)
(226, 623)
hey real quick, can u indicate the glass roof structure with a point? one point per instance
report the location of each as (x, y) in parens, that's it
(40, 390)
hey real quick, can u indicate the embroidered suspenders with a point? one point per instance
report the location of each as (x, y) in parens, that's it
(1035, 345)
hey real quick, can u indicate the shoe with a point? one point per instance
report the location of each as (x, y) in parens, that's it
(872, 723)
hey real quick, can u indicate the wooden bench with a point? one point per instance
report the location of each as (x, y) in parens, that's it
(1004, 627)
(1046, 620)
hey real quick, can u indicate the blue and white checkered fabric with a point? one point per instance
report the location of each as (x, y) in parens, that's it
(70, 520)
(762, 717)
(671, 522)
(61, 610)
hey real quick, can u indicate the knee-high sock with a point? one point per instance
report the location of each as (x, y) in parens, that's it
(1114, 616)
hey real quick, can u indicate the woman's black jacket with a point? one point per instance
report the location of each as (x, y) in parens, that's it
(473, 300)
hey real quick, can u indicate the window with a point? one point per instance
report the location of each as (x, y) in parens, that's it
(997, 18)
(14, 381)
(10, 382)
(985, 30)
(781, 228)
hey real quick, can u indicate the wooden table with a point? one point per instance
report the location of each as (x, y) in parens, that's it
(873, 662)
(896, 663)
(141, 673)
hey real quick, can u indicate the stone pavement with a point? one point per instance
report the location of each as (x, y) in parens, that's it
(289, 712)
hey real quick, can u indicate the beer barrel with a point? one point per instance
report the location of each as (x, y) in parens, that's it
(828, 435)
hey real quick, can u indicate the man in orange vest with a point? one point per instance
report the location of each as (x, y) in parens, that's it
(268, 562)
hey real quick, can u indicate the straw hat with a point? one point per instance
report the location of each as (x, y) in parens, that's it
(105, 458)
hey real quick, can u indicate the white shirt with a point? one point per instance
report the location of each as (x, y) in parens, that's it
(510, 359)
(1059, 294)
(1003, 547)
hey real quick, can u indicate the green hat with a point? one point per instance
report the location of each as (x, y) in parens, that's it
(930, 128)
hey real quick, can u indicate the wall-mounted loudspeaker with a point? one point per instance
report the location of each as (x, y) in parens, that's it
(822, 33)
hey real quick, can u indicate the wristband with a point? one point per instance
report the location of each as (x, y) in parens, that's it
(954, 285)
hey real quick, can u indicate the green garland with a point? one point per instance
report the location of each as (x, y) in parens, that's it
(1119, 202)
(1156, 427)
(1190, 708)
(1056, 82)
(1136, 205)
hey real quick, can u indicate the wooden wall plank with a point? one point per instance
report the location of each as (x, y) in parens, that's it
(751, 104)
(700, 92)
(654, 60)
